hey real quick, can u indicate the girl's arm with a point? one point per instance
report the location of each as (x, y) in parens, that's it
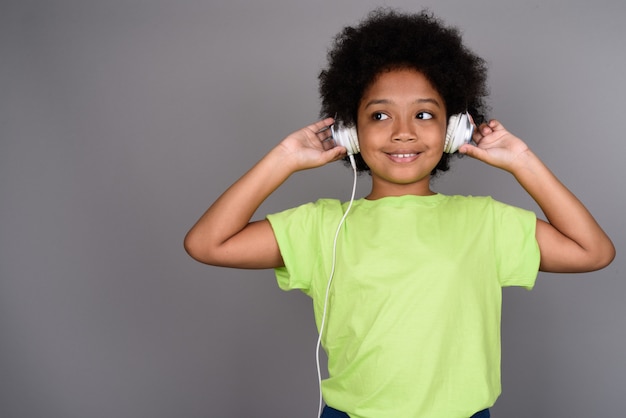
(571, 240)
(224, 235)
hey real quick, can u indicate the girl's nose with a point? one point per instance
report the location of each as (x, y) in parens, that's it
(403, 131)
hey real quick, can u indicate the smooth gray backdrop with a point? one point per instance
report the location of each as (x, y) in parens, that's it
(122, 120)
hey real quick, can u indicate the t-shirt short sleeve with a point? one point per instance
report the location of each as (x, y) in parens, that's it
(517, 250)
(302, 234)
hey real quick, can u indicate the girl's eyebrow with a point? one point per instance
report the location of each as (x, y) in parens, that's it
(418, 101)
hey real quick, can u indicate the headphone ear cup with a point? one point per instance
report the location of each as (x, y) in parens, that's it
(453, 123)
(346, 137)
(459, 132)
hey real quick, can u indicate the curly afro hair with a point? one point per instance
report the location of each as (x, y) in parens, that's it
(388, 40)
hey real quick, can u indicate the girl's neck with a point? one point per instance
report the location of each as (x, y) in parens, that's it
(402, 190)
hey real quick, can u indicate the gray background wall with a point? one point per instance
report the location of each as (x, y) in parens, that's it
(121, 121)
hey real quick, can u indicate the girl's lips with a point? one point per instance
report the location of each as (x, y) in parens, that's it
(403, 157)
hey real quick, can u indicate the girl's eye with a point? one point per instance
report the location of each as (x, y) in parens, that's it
(379, 116)
(424, 115)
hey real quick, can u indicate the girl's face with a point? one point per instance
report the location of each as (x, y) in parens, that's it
(401, 124)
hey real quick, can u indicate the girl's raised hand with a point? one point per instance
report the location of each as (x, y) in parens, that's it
(312, 146)
(495, 146)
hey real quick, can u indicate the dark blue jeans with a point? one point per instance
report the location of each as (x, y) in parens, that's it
(329, 412)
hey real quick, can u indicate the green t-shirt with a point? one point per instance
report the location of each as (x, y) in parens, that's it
(413, 321)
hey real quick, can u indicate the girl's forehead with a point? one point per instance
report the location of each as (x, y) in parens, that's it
(401, 83)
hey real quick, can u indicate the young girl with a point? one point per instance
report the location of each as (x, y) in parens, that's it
(406, 287)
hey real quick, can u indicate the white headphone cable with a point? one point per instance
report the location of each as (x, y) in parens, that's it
(330, 279)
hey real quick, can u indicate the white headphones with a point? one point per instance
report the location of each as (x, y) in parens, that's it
(459, 132)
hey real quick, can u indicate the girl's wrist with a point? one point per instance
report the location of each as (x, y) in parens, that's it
(280, 159)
